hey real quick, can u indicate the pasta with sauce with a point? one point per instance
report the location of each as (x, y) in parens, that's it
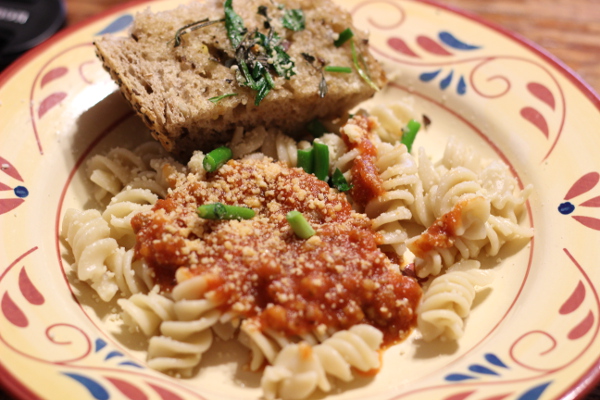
(458, 178)
(183, 280)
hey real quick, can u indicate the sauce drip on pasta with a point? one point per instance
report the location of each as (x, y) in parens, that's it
(259, 269)
(367, 184)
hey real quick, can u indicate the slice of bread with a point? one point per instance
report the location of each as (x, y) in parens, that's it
(170, 86)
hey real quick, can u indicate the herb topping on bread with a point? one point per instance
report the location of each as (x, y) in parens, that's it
(197, 72)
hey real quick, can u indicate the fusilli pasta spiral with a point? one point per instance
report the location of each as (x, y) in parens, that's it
(299, 369)
(88, 234)
(184, 339)
(392, 118)
(121, 210)
(448, 300)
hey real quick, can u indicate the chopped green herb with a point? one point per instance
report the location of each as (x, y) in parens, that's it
(190, 28)
(299, 225)
(234, 24)
(216, 158)
(339, 181)
(362, 70)
(409, 133)
(216, 99)
(344, 36)
(331, 68)
(316, 128)
(222, 212)
(257, 54)
(282, 62)
(321, 161)
(263, 90)
(294, 20)
(306, 160)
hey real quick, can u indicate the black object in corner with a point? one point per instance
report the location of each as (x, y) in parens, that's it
(26, 23)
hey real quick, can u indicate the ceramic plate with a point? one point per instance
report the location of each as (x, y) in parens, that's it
(533, 335)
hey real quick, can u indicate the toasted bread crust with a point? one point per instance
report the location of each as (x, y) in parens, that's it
(169, 86)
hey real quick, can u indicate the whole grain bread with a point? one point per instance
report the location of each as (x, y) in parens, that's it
(170, 86)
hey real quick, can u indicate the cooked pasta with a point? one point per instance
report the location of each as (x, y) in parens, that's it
(436, 247)
(448, 300)
(185, 338)
(266, 345)
(99, 260)
(299, 369)
(146, 311)
(398, 172)
(469, 207)
(131, 276)
(462, 175)
(120, 166)
(244, 143)
(122, 208)
(392, 119)
(88, 234)
(339, 158)
(281, 147)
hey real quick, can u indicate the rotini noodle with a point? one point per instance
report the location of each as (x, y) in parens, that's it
(436, 249)
(184, 339)
(122, 209)
(299, 369)
(146, 311)
(398, 172)
(88, 234)
(392, 118)
(131, 276)
(120, 167)
(448, 301)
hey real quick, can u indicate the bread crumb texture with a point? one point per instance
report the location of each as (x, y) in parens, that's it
(170, 86)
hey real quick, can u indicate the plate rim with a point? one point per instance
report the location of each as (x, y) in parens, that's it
(588, 379)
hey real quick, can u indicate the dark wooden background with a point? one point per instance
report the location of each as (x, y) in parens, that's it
(569, 29)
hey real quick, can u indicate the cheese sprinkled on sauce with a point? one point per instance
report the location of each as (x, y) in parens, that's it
(259, 269)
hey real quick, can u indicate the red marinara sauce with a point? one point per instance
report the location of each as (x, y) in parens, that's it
(366, 182)
(260, 270)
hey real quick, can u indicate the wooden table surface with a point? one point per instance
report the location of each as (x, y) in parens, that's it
(569, 29)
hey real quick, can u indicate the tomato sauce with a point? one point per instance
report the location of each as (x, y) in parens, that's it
(261, 270)
(367, 185)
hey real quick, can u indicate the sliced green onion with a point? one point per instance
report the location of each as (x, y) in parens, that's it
(344, 70)
(316, 128)
(344, 36)
(216, 99)
(216, 158)
(305, 160)
(299, 225)
(339, 181)
(222, 211)
(362, 72)
(321, 161)
(409, 133)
